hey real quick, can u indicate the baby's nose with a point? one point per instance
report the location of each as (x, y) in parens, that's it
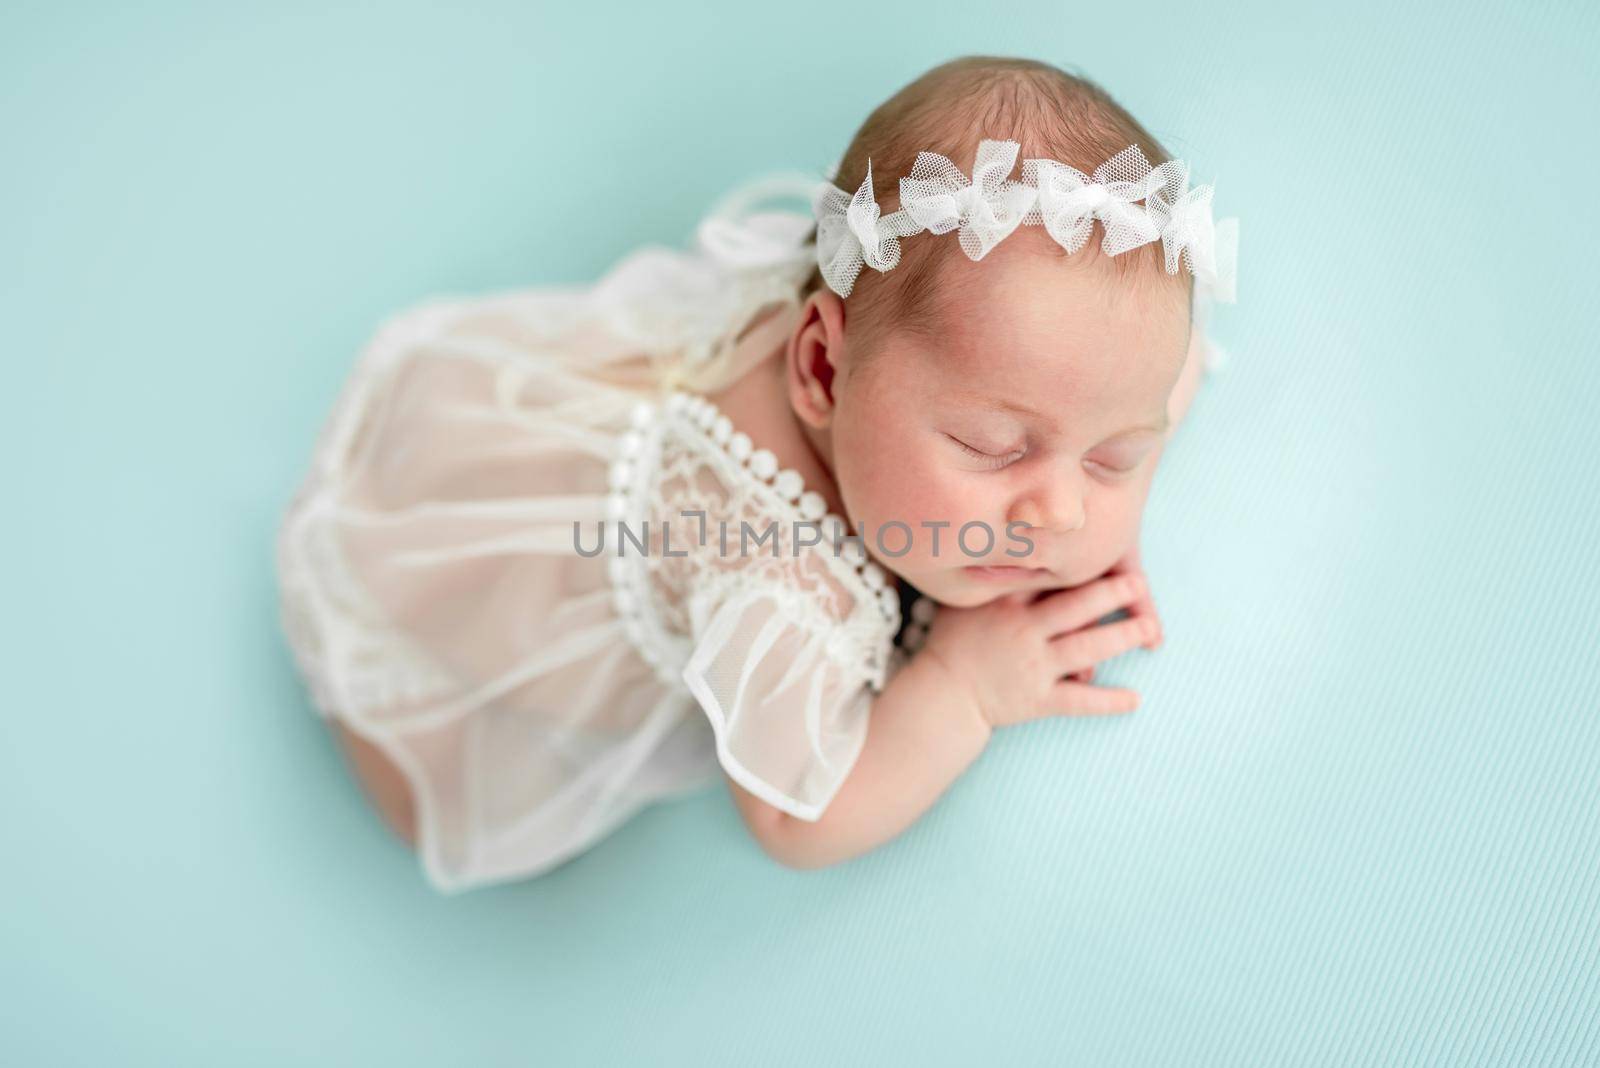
(1057, 509)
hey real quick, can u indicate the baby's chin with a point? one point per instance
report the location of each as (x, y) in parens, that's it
(960, 589)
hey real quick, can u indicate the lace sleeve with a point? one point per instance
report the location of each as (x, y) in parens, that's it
(788, 705)
(780, 638)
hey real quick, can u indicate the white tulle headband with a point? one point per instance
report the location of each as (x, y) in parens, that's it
(1134, 202)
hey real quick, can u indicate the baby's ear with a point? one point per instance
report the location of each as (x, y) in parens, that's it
(813, 354)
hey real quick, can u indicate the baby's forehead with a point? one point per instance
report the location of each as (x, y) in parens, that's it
(1061, 346)
(1059, 333)
(1031, 281)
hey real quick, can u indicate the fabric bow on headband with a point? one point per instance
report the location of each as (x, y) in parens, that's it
(1134, 203)
(986, 208)
(850, 233)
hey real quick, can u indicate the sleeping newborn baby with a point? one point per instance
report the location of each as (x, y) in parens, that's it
(518, 577)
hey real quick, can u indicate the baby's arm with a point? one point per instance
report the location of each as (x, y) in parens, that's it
(924, 733)
(383, 782)
(995, 665)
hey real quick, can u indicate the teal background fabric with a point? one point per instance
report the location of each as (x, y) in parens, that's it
(1354, 821)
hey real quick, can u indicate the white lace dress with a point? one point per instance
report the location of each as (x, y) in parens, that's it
(439, 597)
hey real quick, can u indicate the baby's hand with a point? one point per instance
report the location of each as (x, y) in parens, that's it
(1142, 607)
(1013, 656)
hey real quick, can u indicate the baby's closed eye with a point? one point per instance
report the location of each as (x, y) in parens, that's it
(988, 454)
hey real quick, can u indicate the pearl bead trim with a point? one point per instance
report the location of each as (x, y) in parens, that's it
(922, 613)
(627, 577)
(789, 484)
(623, 481)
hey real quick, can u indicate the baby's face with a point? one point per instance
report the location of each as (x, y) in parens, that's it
(1043, 406)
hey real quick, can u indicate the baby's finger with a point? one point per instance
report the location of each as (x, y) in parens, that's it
(1066, 610)
(1091, 645)
(1076, 699)
(1145, 608)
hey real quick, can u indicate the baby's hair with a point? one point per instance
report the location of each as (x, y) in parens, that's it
(949, 109)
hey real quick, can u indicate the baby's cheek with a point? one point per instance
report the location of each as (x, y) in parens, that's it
(886, 498)
(897, 489)
(1116, 528)
(877, 482)
(936, 505)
